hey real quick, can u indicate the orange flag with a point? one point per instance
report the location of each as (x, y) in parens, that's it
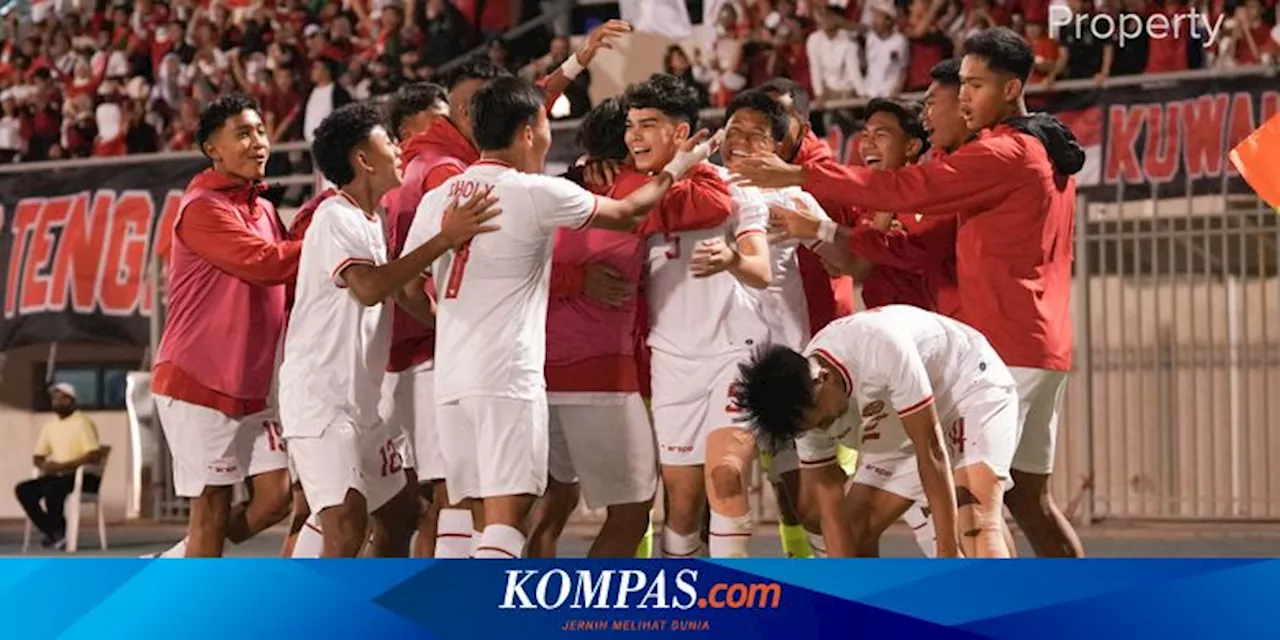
(1257, 158)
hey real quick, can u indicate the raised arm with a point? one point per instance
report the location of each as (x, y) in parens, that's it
(626, 213)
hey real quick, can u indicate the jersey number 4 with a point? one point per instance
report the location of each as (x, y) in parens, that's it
(455, 271)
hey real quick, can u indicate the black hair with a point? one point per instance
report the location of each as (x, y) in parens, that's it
(773, 391)
(602, 132)
(1003, 49)
(946, 73)
(668, 94)
(216, 113)
(339, 133)
(476, 68)
(908, 114)
(331, 66)
(500, 108)
(412, 99)
(788, 87)
(768, 107)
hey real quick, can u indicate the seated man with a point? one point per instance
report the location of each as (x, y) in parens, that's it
(64, 445)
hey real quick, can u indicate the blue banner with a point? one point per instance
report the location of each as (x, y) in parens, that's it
(386, 599)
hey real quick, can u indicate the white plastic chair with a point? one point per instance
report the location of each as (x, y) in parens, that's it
(75, 503)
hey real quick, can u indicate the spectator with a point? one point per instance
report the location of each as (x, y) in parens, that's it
(282, 107)
(109, 122)
(928, 44)
(326, 95)
(10, 128)
(835, 66)
(727, 64)
(446, 32)
(887, 52)
(65, 444)
(498, 53)
(1131, 58)
(1044, 49)
(676, 63)
(141, 136)
(1169, 53)
(182, 135)
(1080, 53)
(1251, 36)
(491, 17)
(79, 128)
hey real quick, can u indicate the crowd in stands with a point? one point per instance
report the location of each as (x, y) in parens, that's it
(129, 77)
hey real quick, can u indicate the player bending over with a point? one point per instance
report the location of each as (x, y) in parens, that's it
(338, 342)
(902, 373)
(490, 388)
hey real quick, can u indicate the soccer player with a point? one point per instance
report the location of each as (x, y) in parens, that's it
(339, 335)
(407, 405)
(1014, 194)
(703, 255)
(904, 373)
(491, 391)
(216, 361)
(601, 440)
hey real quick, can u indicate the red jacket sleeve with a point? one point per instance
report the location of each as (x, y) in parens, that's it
(976, 177)
(897, 249)
(566, 279)
(215, 233)
(699, 201)
(553, 93)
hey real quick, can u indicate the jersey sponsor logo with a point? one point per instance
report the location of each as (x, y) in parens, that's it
(85, 252)
(613, 589)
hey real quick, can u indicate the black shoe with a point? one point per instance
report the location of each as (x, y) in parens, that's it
(47, 541)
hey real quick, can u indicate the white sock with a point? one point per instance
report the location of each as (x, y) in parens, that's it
(818, 544)
(475, 541)
(679, 545)
(176, 551)
(730, 535)
(453, 534)
(310, 542)
(500, 542)
(922, 526)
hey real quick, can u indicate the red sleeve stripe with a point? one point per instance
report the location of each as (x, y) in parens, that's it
(844, 372)
(337, 273)
(595, 208)
(915, 407)
(821, 462)
(742, 234)
(499, 550)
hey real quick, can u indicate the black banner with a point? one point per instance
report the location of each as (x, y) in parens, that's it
(75, 245)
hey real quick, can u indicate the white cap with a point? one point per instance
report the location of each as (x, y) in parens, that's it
(64, 388)
(885, 6)
(311, 30)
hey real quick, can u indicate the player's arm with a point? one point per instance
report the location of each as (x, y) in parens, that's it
(216, 233)
(923, 427)
(372, 284)
(413, 299)
(604, 37)
(624, 214)
(808, 223)
(825, 487)
(977, 176)
(748, 259)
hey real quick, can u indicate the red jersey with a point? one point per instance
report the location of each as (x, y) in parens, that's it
(1014, 242)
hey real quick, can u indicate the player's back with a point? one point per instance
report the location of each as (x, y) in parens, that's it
(705, 316)
(492, 310)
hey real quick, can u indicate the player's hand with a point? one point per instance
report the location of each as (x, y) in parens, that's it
(799, 223)
(601, 173)
(463, 221)
(605, 285)
(711, 256)
(767, 172)
(604, 37)
(883, 221)
(697, 148)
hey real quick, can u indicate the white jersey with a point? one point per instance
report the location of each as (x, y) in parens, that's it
(895, 359)
(705, 316)
(335, 349)
(784, 303)
(491, 318)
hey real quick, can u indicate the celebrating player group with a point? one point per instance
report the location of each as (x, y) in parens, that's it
(447, 350)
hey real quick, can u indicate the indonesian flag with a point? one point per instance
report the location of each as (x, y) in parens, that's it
(1257, 157)
(1086, 124)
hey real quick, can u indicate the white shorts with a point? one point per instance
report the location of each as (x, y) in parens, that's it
(691, 398)
(1040, 395)
(985, 431)
(493, 446)
(409, 407)
(212, 449)
(604, 442)
(345, 457)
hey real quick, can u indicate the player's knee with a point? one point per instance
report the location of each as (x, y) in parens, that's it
(1028, 500)
(631, 517)
(726, 481)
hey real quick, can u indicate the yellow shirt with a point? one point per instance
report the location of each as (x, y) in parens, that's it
(66, 439)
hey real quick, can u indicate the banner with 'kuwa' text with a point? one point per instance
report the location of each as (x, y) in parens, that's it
(75, 245)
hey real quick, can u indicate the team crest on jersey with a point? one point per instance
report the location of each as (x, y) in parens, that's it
(873, 408)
